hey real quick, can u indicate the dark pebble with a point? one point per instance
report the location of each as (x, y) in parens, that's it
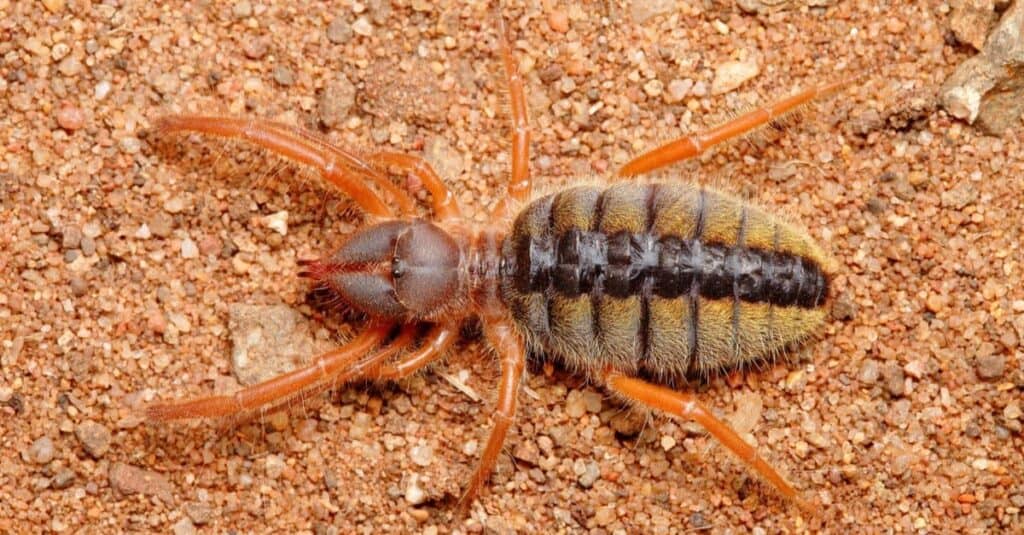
(697, 521)
(78, 286)
(72, 238)
(877, 206)
(892, 376)
(844, 309)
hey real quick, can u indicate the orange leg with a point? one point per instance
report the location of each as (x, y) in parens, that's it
(512, 352)
(687, 147)
(686, 406)
(436, 344)
(443, 202)
(356, 372)
(337, 165)
(322, 369)
(520, 185)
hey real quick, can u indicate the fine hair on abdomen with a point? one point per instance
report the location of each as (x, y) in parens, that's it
(663, 279)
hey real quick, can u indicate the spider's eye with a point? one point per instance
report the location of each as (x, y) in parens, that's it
(397, 268)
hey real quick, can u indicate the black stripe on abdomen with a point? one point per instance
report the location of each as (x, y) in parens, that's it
(571, 264)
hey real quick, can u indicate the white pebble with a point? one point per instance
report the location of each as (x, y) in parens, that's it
(363, 27)
(143, 233)
(277, 221)
(275, 466)
(421, 454)
(102, 90)
(413, 493)
(678, 89)
(732, 74)
(189, 249)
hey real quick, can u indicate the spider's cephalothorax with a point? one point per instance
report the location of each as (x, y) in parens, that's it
(635, 284)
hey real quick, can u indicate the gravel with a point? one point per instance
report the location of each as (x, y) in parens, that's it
(899, 416)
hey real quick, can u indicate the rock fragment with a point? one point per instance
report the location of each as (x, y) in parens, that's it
(989, 88)
(128, 479)
(732, 74)
(267, 341)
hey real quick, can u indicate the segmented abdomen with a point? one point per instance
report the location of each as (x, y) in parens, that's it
(666, 280)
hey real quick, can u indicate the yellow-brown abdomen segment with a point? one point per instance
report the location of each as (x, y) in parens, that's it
(667, 280)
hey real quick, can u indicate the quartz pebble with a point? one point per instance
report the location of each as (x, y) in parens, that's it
(732, 74)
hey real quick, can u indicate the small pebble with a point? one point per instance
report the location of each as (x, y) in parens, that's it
(336, 101)
(559, 21)
(174, 205)
(183, 527)
(567, 85)
(869, 372)
(161, 224)
(277, 221)
(70, 66)
(592, 401)
(894, 380)
(421, 455)
(915, 369)
(274, 466)
(130, 145)
(575, 407)
(844, 308)
(42, 450)
(589, 476)
(128, 479)
(54, 6)
(242, 9)
(678, 90)
(654, 87)
(732, 74)
(363, 27)
(413, 493)
(200, 513)
(71, 238)
(70, 118)
(102, 90)
(360, 425)
(990, 367)
(63, 479)
(339, 31)
(283, 76)
(78, 286)
(605, 515)
(256, 48)
(95, 438)
(189, 249)
(88, 246)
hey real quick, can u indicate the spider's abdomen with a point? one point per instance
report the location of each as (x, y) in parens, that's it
(667, 280)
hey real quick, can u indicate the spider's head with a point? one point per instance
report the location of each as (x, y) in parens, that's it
(400, 270)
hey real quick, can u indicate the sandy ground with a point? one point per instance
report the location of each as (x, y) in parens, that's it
(123, 253)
